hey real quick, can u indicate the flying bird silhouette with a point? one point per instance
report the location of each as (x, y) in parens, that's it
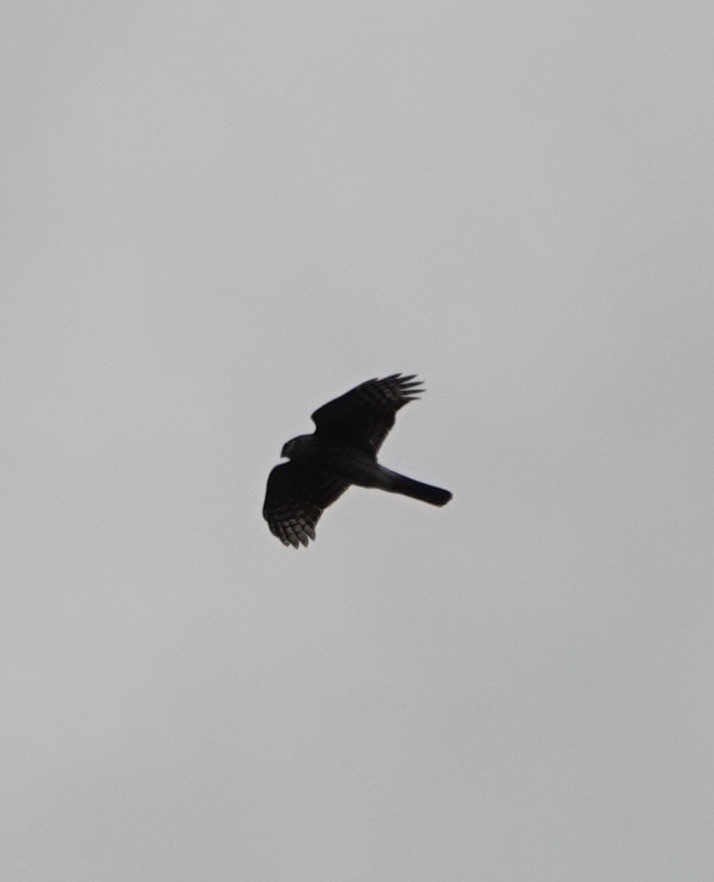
(341, 451)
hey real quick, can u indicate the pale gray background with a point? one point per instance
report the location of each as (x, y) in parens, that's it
(218, 215)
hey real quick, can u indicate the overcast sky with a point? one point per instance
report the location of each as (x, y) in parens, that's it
(216, 217)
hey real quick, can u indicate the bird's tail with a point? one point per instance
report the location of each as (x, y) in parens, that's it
(417, 489)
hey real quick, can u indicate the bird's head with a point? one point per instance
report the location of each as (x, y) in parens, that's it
(291, 447)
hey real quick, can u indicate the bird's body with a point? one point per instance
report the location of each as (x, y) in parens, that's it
(339, 460)
(342, 451)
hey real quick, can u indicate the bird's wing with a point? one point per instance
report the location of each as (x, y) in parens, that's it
(363, 416)
(294, 500)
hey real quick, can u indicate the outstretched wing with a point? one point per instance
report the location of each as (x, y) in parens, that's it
(294, 500)
(363, 416)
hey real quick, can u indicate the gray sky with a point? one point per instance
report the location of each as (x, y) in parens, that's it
(217, 216)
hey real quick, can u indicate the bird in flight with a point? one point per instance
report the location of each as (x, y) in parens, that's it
(341, 451)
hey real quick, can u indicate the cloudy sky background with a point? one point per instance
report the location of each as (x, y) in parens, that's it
(218, 216)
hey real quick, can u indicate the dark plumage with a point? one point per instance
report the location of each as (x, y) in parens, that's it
(341, 451)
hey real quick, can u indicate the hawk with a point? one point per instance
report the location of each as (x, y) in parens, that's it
(341, 451)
